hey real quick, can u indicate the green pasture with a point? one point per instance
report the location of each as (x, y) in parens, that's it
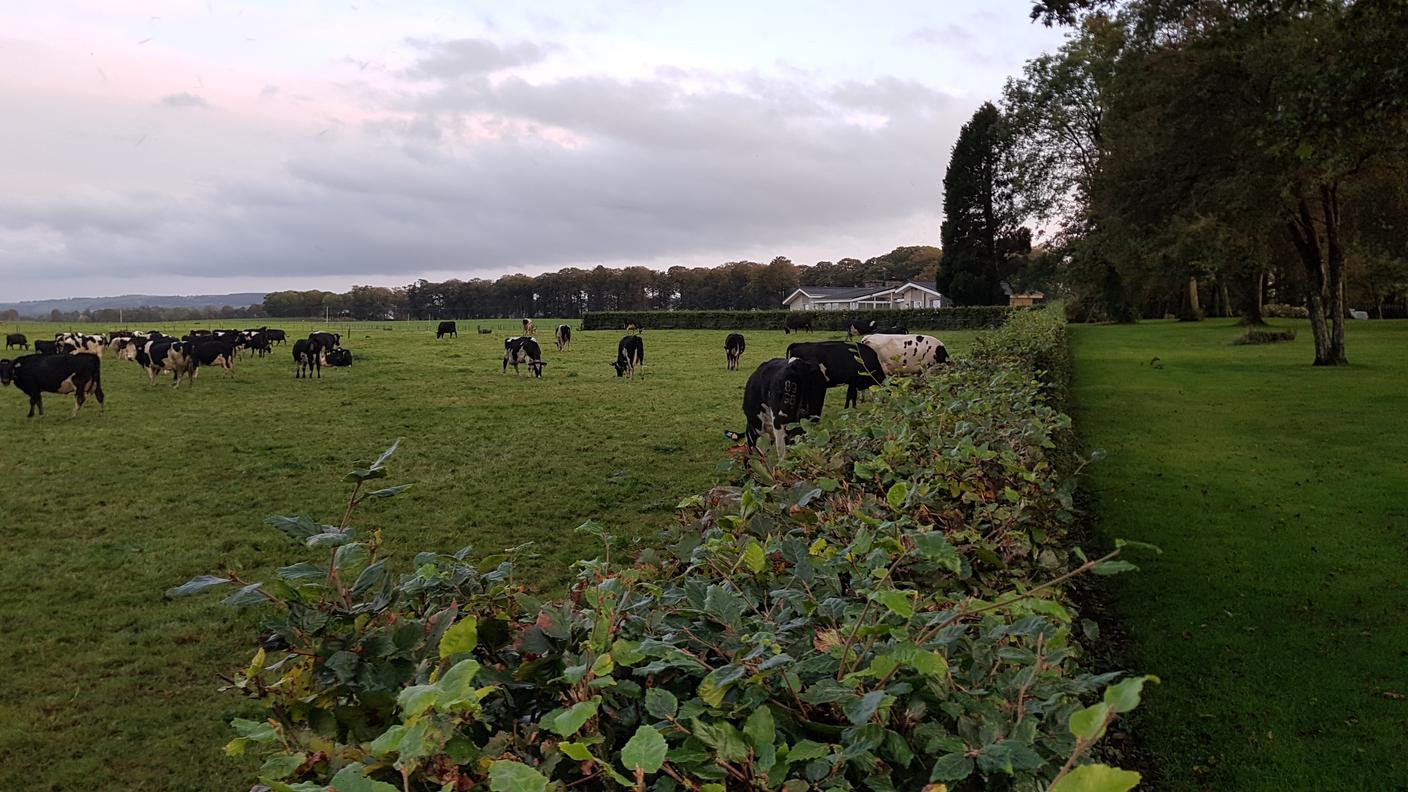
(107, 685)
(1278, 614)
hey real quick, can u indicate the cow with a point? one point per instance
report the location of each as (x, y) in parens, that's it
(276, 336)
(165, 354)
(856, 366)
(780, 392)
(308, 354)
(630, 355)
(634, 326)
(340, 358)
(80, 344)
(873, 327)
(528, 328)
(906, 354)
(563, 337)
(446, 329)
(16, 340)
(484, 330)
(36, 375)
(214, 352)
(523, 349)
(328, 341)
(257, 341)
(797, 321)
(733, 349)
(46, 347)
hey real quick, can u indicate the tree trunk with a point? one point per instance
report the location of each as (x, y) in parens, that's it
(1307, 244)
(1251, 307)
(1225, 301)
(1334, 255)
(1192, 311)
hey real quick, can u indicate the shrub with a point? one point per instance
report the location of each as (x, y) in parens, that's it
(1036, 342)
(1275, 311)
(1261, 336)
(883, 609)
(979, 317)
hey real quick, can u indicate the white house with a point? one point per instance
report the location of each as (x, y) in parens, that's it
(890, 296)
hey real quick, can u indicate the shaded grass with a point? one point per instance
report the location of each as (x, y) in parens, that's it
(109, 686)
(1278, 614)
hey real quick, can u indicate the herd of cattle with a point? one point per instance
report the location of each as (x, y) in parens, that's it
(780, 392)
(72, 362)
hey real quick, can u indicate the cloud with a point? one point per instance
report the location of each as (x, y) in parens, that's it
(469, 57)
(183, 99)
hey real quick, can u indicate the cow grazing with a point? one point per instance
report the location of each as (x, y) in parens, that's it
(563, 337)
(257, 341)
(328, 341)
(80, 344)
(778, 393)
(446, 329)
(633, 326)
(339, 358)
(484, 330)
(276, 336)
(165, 354)
(630, 356)
(873, 327)
(856, 366)
(906, 354)
(16, 340)
(797, 321)
(310, 355)
(46, 347)
(214, 352)
(528, 328)
(522, 349)
(733, 349)
(36, 375)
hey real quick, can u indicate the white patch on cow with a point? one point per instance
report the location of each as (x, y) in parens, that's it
(904, 354)
(67, 386)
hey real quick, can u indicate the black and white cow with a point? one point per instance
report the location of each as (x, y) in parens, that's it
(328, 341)
(339, 358)
(906, 354)
(164, 354)
(257, 341)
(308, 354)
(781, 392)
(214, 352)
(16, 340)
(630, 356)
(563, 336)
(46, 347)
(446, 329)
(856, 366)
(523, 349)
(80, 343)
(36, 375)
(633, 326)
(873, 327)
(733, 349)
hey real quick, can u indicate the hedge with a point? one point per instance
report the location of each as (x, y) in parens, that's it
(883, 609)
(978, 317)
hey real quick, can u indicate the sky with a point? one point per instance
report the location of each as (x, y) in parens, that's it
(209, 146)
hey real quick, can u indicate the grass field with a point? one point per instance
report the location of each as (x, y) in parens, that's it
(1278, 614)
(106, 685)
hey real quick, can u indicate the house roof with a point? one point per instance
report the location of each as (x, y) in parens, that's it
(847, 293)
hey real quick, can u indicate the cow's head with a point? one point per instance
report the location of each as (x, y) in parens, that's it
(941, 353)
(536, 366)
(7, 371)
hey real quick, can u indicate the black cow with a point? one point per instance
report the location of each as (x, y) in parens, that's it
(258, 342)
(856, 366)
(797, 321)
(39, 374)
(630, 355)
(633, 326)
(563, 337)
(328, 341)
(446, 329)
(778, 393)
(733, 349)
(276, 336)
(16, 340)
(873, 327)
(522, 349)
(308, 354)
(340, 357)
(46, 347)
(214, 352)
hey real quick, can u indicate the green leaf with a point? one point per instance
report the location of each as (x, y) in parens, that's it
(603, 665)
(389, 741)
(385, 455)
(661, 703)
(926, 662)
(302, 571)
(753, 556)
(248, 595)
(296, 528)
(897, 495)
(509, 776)
(389, 492)
(898, 602)
(197, 584)
(353, 778)
(951, 767)
(332, 538)
(462, 636)
(807, 750)
(571, 719)
(1096, 778)
(576, 750)
(279, 766)
(1089, 722)
(1113, 567)
(760, 729)
(255, 731)
(1123, 543)
(1124, 696)
(713, 686)
(860, 710)
(645, 750)
(934, 546)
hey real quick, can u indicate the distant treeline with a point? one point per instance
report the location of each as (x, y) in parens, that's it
(570, 292)
(145, 313)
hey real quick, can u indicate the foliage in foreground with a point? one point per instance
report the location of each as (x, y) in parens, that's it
(882, 610)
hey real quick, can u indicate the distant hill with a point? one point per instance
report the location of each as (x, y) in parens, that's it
(41, 308)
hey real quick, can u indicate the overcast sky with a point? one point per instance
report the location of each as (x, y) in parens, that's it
(205, 146)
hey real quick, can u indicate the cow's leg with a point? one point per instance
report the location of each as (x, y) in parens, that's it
(35, 401)
(98, 394)
(851, 395)
(78, 396)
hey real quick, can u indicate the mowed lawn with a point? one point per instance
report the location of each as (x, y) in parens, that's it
(1278, 615)
(107, 685)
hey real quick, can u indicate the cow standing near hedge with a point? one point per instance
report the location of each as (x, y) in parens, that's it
(563, 337)
(781, 392)
(446, 329)
(733, 350)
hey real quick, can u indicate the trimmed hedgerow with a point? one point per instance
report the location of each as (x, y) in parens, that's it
(883, 609)
(979, 317)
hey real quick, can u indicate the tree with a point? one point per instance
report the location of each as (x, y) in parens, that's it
(983, 238)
